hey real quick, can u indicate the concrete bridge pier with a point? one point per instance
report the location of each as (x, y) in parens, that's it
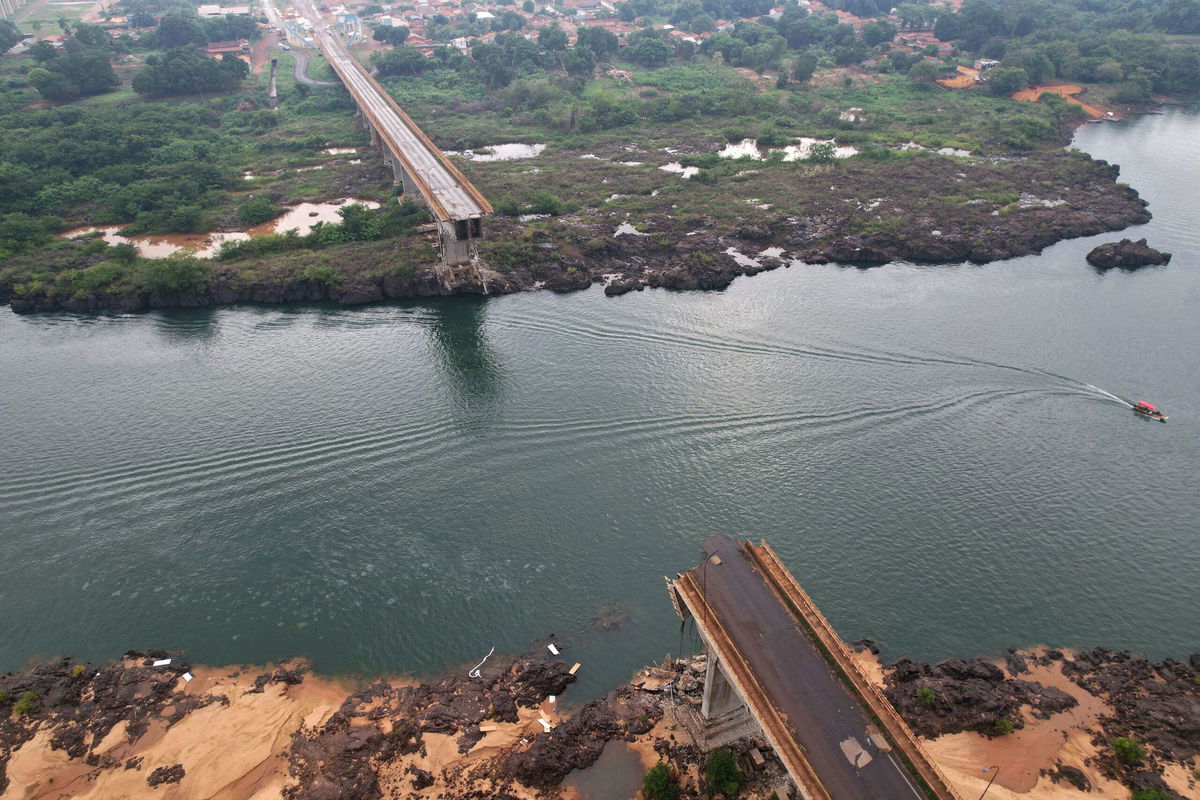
(720, 698)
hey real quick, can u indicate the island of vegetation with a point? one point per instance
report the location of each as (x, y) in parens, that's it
(672, 143)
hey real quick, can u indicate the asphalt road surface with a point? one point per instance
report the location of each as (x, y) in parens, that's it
(820, 711)
(449, 194)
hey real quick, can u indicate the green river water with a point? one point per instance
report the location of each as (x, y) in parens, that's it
(401, 488)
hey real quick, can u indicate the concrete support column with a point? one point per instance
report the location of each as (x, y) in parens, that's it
(719, 695)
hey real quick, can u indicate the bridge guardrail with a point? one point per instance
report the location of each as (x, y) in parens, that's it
(787, 586)
(742, 677)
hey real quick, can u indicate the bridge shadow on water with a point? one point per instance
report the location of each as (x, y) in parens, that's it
(460, 340)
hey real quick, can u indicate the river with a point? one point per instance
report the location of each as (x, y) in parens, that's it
(401, 488)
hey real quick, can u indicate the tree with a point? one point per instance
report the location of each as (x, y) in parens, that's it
(552, 38)
(721, 770)
(186, 70)
(923, 73)
(42, 52)
(1003, 81)
(702, 23)
(511, 21)
(579, 61)
(645, 48)
(598, 40)
(89, 70)
(878, 32)
(395, 35)
(179, 28)
(401, 60)
(527, 6)
(803, 67)
(256, 210)
(1129, 750)
(52, 85)
(657, 784)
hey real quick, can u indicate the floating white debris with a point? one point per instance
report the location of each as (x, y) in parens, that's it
(590, 155)
(954, 151)
(625, 229)
(574, 669)
(340, 151)
(162, 662)
(532, 217)
(630, 163)
(553, 650)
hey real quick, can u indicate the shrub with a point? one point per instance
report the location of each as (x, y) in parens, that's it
(926, 696)
(1129, 750)
(256, 210)
(3, 695)
(722, 772)
(25, 703)
(657, 785)
(1151, 794)
(1003, 727)
(545, 203)
(176, 273)
(78, 670)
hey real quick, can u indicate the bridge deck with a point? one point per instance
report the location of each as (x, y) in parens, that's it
(446, 190)
(820, 713)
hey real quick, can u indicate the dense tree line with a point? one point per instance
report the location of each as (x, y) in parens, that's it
(82, 66)
(157, 165)
(187, 70)
(1118, 43)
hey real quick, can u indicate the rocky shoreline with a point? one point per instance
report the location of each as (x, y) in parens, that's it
(932, 209)
(139, 726)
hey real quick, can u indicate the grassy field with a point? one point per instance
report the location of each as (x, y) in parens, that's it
(41, 17)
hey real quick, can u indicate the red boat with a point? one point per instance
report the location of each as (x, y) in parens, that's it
(1149, 410)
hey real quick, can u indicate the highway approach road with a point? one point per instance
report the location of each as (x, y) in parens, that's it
(820, 711)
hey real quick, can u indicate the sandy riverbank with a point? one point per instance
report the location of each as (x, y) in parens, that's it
(137, 728)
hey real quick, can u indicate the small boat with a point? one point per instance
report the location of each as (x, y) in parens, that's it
(1151, 411)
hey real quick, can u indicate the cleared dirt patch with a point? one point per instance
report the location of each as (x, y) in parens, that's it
(1067, 91)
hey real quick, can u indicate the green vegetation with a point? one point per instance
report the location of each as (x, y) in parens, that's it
(926, 696)
(659, 785)
(1003, 727)
(1129, 750)
(721, 771)
(1152, 794)
(186, 70)
(25, 703)
(78, 670)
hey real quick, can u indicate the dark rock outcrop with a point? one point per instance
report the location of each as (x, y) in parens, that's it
(967, 694)
(161, 775)
(1126, 254)
(339, 760)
